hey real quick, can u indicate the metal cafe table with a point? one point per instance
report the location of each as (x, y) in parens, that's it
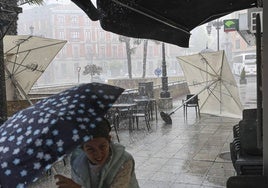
(127, 108)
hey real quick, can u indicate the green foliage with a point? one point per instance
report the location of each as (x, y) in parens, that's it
(92, 69)
(243, 74)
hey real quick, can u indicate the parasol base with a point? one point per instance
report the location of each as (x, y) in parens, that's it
(166, 117)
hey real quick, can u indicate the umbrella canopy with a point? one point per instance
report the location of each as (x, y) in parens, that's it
(26, 58)
(36, 137)
(168, 21)
(209, 75)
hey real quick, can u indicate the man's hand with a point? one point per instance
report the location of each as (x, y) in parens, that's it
(64, 182)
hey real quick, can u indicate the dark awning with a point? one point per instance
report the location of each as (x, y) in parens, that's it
(169, 21)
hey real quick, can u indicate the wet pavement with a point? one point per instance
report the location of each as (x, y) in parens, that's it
(192, 153)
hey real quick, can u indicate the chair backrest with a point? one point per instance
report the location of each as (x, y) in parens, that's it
(194, 100)
(142, 107)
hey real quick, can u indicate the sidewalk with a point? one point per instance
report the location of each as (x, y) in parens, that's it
(186, 154)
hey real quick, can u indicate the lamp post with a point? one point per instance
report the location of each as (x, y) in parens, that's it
(164, 93)
(165, 101)
(217, 24)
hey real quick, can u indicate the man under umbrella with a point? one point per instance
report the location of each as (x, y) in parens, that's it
(100, 163)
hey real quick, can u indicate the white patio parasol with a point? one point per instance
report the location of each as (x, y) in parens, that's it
(26, 58)
(209, 75)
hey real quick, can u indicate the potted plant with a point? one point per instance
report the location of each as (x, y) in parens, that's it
(243, 79)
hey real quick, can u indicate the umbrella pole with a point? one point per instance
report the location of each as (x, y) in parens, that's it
(166, 117)
(18, 86)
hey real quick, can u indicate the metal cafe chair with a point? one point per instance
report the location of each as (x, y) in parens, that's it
(113, 118)
(142, 111)
(191, 103)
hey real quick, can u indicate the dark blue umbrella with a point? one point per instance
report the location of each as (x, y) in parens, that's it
(36, 137)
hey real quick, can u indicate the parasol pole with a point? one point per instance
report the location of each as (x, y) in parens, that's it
(166, 117)
(18, 86)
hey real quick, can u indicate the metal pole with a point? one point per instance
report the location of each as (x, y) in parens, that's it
(164, 93)
(259, 83)
(3, 102)
(218, 36)
(78, 74)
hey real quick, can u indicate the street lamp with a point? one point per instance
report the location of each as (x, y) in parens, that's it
(164, 93)
(217, 24)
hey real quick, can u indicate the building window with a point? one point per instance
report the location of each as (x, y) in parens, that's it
(61, 35)
(102, 35)
(88, 35)
(75, 35)
(60, 20)
(74, 20)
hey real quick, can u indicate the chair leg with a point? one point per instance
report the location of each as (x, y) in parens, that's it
(137, 122)
(184, 111)
(147, 121)
(116, 132)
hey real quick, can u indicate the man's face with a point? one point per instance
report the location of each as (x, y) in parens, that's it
(97, 150)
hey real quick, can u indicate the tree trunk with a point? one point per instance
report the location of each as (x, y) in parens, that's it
(8, 26)
(129, 64)
(145, 45)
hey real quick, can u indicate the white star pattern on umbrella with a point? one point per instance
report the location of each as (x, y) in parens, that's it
(8, 172)
(37, 166)
(41, 134)
(40, 155)
(60, 143)
(23, 173)
(16, 161)
(30, 151)
(47, 157)
(4, 165)
(38, 142)
(16, 151)
(75, 137)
